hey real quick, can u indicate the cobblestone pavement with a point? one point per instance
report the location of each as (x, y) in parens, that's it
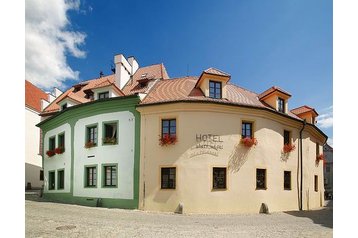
(46, 219)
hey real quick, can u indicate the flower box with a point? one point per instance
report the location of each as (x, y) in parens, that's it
(50, 153)
(167, 140)
(59, 150)
(248, 142)
(287, 148)
(320, 157)
(90, 144)
(109, 140)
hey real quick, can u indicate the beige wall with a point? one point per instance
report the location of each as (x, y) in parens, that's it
(194, 172)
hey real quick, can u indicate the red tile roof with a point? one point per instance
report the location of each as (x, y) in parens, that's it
(152, 72)
(303, 109)
(216, 71)
(272, 89)
(77, 92)
(33, 96)
(183, 89)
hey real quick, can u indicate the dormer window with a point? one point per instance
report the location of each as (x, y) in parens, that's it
(214, 89)
(64, 106)
(281, 105)
(103, 95)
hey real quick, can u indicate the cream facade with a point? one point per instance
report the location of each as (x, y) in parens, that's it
(208, 136)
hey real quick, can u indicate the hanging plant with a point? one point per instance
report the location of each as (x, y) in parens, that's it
(248, 141)
(59, 150)
(167, 140)
(50, 153)
(287, 148)
(320, 157)
(89, 144)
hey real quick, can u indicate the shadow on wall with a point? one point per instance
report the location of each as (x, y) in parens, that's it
(238, 158)
(323, 217)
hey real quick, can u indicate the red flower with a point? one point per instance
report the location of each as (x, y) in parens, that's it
(320, 157)
(59, 150)
(248, 142)
(50, 153)
(287, 148)
(167, 139)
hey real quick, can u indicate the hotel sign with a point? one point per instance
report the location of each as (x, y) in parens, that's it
(207, 144)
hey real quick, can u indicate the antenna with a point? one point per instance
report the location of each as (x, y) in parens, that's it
(101, 74)
(187, 70)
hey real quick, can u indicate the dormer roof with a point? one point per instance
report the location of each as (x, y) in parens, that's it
(272, 90)
(213, 72)
(304, 109)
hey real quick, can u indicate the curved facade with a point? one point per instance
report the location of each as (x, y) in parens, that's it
(208, 137)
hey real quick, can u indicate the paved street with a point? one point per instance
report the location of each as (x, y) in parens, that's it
(45, 219)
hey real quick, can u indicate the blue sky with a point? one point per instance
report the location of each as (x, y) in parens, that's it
(260, 43)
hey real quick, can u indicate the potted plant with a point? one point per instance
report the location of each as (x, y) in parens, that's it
(59, 150)
(248, 141)
(109, 140)
(50, 153)
(167, 140)
(89, 144)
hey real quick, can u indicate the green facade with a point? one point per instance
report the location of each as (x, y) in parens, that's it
(71, 115)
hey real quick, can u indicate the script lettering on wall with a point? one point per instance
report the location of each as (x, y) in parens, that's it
(207, 144)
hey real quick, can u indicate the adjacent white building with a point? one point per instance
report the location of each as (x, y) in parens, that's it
(35, 101)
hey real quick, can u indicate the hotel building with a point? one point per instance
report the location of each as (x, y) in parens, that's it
(139, 139)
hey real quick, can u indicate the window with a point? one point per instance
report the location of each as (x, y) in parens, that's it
(52, 143)
(92, 134)
(317, 149)
(110, 133)
(61, 141)
(287, 180)
(214, 89)
(51, 180)
(168, 178)
(41, 175)
(260, 178)
(286, 137)
(110, 176)
(219, 178)
(61, 179)
(91, 176)
(103, 95)
(64, 106)
(246, 130)
(316, 183)
(281, 105)
(169, 127)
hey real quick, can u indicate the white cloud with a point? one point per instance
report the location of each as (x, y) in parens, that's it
(48, 40)
(326, 120)
(330, 142)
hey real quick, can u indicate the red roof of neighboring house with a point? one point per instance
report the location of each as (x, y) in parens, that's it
(273, 89)
(33, 96)
(303, 109)
(78, 91)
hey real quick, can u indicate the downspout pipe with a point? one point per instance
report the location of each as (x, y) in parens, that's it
(301, 163)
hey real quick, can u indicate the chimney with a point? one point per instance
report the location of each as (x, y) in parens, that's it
(134, 63)
(123, 71)
(57, 92)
